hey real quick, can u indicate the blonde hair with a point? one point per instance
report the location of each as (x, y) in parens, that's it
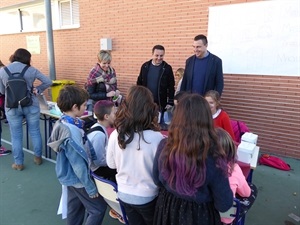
(104, 55)
(179, 72)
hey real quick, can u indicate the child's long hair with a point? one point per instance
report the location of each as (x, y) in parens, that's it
(191, 139)
(229, 147)
(137, 113)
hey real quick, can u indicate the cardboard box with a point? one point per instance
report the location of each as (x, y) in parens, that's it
(245, 151)
(250, 137)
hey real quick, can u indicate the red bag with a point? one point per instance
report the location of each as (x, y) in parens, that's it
(273, 161)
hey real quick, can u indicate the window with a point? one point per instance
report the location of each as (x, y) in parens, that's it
(30, 18)
(10, 22)
(69, 13)
(33, 18)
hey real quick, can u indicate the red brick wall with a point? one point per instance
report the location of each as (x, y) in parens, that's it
(135, 27)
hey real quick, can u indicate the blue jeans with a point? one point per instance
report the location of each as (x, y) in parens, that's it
(15, 117)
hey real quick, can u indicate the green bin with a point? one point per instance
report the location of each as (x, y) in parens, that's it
(57, 85)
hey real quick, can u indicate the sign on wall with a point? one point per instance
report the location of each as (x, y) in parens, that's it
(33, 44)
(261, 38)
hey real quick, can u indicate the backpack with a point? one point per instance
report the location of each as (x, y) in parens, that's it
(16, 91)
(90, 130)
(273, 161)
(239, 128)
(97, 128)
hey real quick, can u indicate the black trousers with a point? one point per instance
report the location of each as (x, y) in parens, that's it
(140, 214)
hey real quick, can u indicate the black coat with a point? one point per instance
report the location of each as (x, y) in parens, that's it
(165, 84)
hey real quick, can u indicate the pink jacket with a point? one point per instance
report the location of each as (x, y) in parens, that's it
(239, 185)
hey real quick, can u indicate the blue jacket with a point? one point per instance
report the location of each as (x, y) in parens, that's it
(215, 189)
(74, 155)
(213, 78)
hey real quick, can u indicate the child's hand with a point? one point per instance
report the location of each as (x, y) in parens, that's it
(94, 196)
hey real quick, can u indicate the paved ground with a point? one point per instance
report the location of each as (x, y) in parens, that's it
(31, 197)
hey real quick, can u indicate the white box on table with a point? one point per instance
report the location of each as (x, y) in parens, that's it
(250, 137)
(245, 151)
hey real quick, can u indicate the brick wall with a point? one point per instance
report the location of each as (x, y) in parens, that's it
(268, 104)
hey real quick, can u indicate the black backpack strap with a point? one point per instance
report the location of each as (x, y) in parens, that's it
(21, 74)
(7, 71)
(24, 70)
(97, 128)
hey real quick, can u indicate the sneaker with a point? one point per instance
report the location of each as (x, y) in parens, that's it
(113, 214)
(4, 151)
(37, 160)
(17, 167)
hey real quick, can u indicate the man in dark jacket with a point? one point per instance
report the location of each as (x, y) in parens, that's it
(157, 75)
(203, 71)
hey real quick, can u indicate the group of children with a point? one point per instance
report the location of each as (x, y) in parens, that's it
(155, 185)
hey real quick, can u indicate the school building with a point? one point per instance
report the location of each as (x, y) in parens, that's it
(269, 104)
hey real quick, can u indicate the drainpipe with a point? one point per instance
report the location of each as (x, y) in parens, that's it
(50, 45)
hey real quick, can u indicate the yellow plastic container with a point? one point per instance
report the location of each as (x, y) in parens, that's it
(57, 85)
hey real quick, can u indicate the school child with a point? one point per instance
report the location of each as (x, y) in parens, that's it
(74, 157)
(190, 167)
(179, 73)
(131, 149)
(104, 111)
(237, 181)
(220, 117)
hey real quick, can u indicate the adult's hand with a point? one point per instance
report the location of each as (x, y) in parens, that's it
(111, 94)
(117, 93)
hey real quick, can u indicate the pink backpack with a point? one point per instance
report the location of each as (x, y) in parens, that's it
(239, 128)
(273, 161)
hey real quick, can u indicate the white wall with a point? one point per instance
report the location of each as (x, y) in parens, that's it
(260, 38)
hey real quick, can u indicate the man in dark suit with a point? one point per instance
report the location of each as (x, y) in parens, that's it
(203, 71)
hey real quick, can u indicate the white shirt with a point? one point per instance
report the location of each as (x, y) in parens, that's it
(134, 167)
